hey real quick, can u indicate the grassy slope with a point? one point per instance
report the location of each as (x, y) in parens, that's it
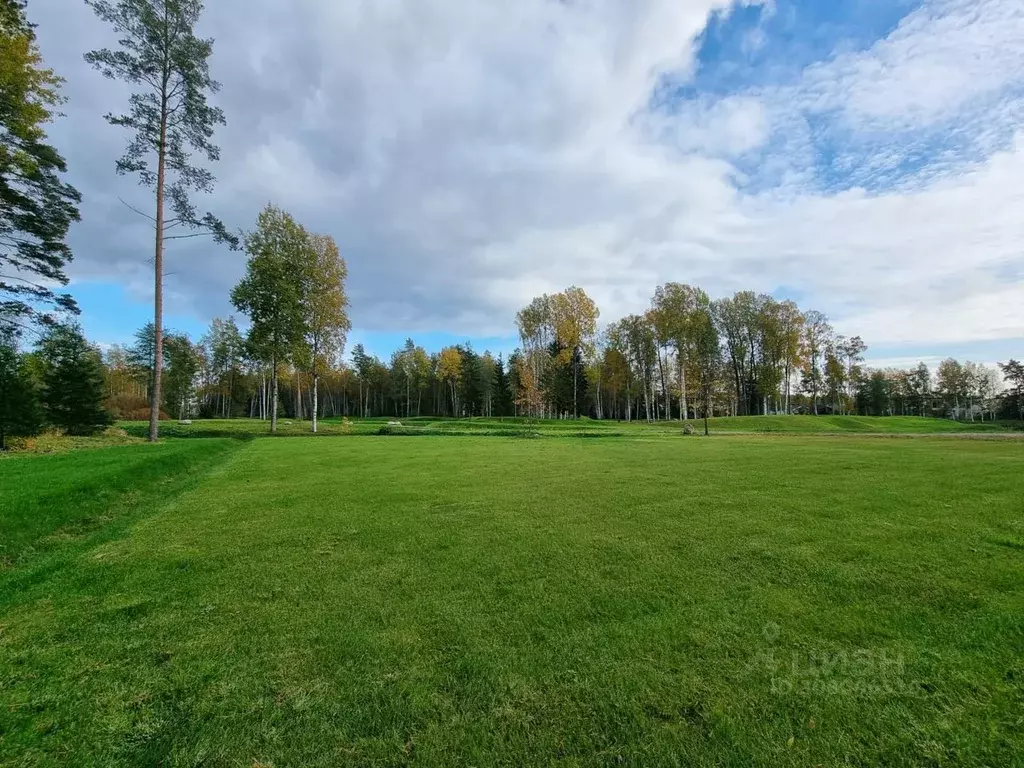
(52, 499)
(478, 602)
(853, 424)
(480, 426)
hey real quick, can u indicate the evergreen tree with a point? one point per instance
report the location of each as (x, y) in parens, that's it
(20, 413)
(170, 118)
(502, 390)
(471, 378)
(139, 356)
(558, 380)
(72, 382)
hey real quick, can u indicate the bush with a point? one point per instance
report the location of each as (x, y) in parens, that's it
(128, 407)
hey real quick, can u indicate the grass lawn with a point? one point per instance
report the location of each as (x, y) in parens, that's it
(772, 601)
(894, 425)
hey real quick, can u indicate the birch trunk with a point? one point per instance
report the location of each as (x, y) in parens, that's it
(316, 382)
(273, 399)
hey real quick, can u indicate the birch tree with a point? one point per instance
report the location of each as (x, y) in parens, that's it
(536, 332)
(674, 306)
(223, 346)
(791, 325)
(707, 354)
(324, 304)
(574, 320)
(449, 371)
(170, 118)
(952, 384)
(1013, 375)
(271, 292)
(817, 333)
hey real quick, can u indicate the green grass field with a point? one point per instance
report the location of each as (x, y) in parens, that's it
(827, 425)
(754, 600)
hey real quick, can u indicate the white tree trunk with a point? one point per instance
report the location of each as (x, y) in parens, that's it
(683, 406)
(316, 382)
(273, 400)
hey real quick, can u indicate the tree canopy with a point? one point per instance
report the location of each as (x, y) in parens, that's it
(37, 207)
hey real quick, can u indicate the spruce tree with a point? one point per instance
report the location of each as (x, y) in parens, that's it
(502, 389)
(72, 382)
(20, 413)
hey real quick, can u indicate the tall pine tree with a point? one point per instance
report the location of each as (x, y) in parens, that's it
(169, 117)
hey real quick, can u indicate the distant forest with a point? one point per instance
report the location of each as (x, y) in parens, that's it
(743, 355)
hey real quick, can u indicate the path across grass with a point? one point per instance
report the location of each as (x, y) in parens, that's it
(774, 601)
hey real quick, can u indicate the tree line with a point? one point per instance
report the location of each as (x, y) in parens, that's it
(687, 357)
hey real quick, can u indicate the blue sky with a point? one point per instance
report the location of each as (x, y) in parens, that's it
(862, 157)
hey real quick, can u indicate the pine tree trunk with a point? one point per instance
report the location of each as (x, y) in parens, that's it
(158, 282)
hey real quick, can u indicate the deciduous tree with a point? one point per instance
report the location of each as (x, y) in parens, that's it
(707, 354)
(324, 304)
(36, 206)
(1013, 375)
(271, 292)
(449, 371)
(674, 306)
(574, 319)
(817, 333)
(183, 363)
(952, 385)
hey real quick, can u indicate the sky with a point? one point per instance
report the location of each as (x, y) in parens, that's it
(862, 157)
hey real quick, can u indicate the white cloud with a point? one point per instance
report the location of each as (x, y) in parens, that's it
(942, 56)
(468, 156)
(724, 127)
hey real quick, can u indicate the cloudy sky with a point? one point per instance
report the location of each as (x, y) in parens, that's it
(863, 157)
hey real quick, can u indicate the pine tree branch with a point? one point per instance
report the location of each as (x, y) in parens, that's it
(136, 210)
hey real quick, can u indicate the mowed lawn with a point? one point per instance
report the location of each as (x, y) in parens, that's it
(429, 425)
(485, 601)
